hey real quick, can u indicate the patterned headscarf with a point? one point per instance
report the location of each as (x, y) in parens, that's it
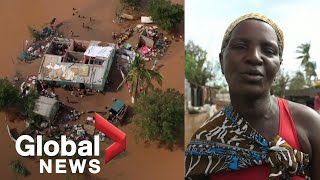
(256, 16)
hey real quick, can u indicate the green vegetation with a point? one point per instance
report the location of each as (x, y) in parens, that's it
(309, 66)
(298, 81)
(29, 102)
(140, 78)
(133, 3)
(9, 98)
(34, 33)
(8, 94)
(119, 10)
(164, 13)
(18, 168)
(281, 81)
(197, 69)
(160, 116)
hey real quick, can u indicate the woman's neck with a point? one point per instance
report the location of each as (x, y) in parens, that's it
(253, 108)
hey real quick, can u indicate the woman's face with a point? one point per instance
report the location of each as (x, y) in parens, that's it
(251, 58)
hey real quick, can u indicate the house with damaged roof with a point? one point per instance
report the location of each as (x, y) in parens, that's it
(77, 63)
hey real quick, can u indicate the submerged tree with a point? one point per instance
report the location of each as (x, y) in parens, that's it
(8, 94)
(133, 3)
(28, 103)
(34, 33)
(141, 79)
(18, 168)
(160, 116)
(164, 13)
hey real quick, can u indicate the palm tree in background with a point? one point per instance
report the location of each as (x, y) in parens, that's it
(310, 69)
(304, 49)
(309, 66)
(140, 78)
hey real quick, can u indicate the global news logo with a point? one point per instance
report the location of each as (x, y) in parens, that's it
(85, 148)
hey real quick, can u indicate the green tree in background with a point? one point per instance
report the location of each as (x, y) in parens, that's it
(160, 116)
(297, 82)
(8, 94)
(219, 80)
(197, 69)
(279, 85)
(303, 50)
(164, 13)
(310, 69)
(309, 66)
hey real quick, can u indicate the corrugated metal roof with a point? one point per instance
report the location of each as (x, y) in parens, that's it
(44, 106)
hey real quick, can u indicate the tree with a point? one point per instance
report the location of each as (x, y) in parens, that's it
(34, 33)
(297, 82)
(8, 94)
(197, 69)
(280, 83)
(140, 78)
(218, 81)
(310, 69)
(304, 49)
(164, 13)
(17, 167)
(133, 3)
(28, 104)
(309, 66)
(163, 119)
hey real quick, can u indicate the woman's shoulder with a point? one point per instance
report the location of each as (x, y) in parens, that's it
(210, 123)
(307, 123)
(302, 114)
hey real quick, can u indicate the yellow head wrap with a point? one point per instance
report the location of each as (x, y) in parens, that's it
(256, 16)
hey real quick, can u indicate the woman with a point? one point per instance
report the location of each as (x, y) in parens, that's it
(257, 136)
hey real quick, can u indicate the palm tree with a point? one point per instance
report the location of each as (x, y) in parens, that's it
(309, 66)
(310, 69)
(140, 78)
(304, 49)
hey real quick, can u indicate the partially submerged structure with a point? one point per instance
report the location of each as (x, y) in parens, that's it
(83, 64)
(46, 107)
(117, 111)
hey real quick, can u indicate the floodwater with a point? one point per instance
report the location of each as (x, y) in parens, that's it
(192, 123)
(142, 160)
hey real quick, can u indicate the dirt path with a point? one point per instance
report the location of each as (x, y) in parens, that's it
(142, 161)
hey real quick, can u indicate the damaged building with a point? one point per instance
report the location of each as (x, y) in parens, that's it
(81, 64)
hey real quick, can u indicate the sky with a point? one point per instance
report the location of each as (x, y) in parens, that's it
(207, 20)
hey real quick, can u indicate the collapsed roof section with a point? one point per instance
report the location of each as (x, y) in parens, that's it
(78, 63)
(46, 107)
